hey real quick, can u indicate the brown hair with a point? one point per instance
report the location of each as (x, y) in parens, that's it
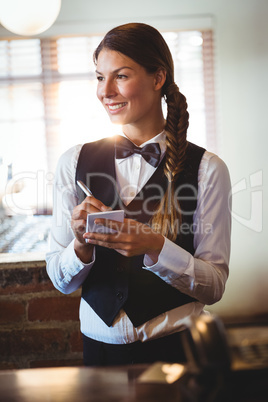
(146, 46)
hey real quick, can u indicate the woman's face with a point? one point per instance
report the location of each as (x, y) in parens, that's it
(128, 93)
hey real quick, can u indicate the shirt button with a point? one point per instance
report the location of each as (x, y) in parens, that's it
(137, 166)
(132, 194)
(119, 295)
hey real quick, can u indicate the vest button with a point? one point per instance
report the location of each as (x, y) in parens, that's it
(119, 295)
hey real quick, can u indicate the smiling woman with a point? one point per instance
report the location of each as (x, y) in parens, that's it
(40, 83)
(129, 94)
(160, 265)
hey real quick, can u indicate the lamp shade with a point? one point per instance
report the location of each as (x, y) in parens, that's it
(28, 17)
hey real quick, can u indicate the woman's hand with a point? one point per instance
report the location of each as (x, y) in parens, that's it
(78, 223)
(131, 238)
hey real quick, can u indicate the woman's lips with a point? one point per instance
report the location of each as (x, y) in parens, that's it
(115, 106)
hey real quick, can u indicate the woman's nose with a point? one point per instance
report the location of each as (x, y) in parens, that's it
(108, 89)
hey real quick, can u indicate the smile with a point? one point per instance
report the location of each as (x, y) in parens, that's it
(117, 106)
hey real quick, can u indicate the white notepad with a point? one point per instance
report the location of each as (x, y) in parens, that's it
(117, 215)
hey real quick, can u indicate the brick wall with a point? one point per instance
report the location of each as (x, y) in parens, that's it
(39, 326)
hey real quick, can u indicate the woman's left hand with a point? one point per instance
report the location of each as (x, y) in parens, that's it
(131, 238)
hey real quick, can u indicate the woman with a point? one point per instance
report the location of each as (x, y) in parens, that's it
(170, 256)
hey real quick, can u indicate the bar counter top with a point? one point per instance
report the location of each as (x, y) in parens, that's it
(122, 384)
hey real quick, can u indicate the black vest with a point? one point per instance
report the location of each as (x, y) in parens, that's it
(116, 281)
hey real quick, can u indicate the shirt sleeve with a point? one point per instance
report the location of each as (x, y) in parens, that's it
(66, 271)
(203, 275)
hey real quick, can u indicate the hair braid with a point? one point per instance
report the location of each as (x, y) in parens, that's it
(167, 219)
(177, 123)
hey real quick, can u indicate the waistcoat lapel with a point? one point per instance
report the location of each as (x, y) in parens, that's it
(96, 168)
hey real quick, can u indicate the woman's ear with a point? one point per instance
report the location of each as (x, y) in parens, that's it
(160, 78)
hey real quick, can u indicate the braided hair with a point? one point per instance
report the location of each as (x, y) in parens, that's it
(147, 47)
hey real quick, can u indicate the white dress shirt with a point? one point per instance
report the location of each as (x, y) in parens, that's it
(202, 276)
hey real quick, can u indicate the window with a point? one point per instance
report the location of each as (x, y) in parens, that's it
(48, 104)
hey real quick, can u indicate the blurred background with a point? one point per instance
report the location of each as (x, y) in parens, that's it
(48, 104)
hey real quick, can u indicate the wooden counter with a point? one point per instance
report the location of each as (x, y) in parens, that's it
(83, 384)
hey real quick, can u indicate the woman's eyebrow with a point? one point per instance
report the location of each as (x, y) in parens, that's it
(117, 70)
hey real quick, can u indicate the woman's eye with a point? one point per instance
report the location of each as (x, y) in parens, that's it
(99, 78)
(120, 76)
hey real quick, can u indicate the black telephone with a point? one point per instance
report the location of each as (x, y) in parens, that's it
(205, 344)
(215, 370)
(209, 375)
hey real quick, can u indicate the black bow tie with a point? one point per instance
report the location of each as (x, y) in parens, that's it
(150, 152)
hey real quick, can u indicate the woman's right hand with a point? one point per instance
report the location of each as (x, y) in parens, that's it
(78, 223)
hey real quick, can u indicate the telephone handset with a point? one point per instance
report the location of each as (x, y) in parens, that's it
(205, 344)
(207, 361)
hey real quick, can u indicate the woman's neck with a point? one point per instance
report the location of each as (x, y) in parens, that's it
(140, 135)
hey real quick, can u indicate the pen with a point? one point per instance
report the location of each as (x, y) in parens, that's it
(84, 188)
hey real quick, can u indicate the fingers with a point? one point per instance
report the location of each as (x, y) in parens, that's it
(111, 241)
(129, 239)
(95, 205)
(104, 237)
(80, 212)
(91, 204)
(88, 206)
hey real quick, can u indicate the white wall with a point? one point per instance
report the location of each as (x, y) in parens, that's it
(241, 36)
